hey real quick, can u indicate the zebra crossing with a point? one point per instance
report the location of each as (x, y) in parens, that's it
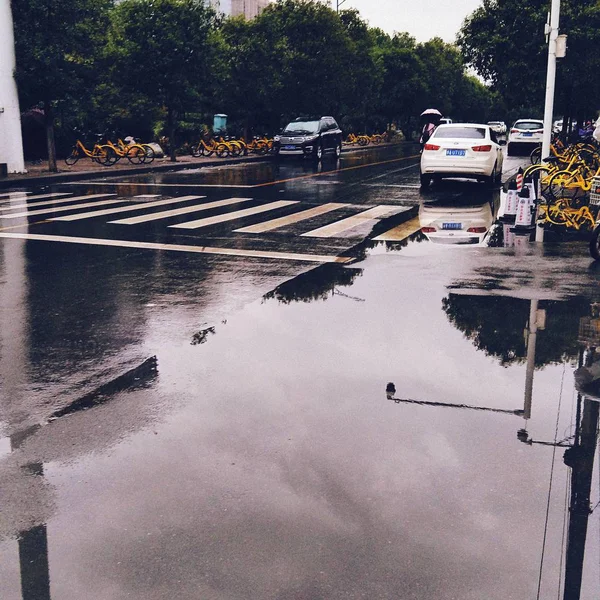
(333, 218)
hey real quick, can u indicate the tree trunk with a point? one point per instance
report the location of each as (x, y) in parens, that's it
(50, 144)
(172, 126)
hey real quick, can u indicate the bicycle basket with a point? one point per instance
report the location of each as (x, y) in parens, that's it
(595, 191)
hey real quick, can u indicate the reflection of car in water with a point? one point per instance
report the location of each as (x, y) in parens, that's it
(451, 222)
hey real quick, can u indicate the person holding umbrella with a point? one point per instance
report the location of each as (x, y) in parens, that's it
(431, 119)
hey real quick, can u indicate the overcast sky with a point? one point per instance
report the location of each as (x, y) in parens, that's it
(423, 19)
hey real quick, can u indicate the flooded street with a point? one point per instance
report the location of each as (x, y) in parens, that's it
(340, 407)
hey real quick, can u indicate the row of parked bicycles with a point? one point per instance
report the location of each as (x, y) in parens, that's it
(110, 153)
(365, 140)
(568, 180)
(223, 147)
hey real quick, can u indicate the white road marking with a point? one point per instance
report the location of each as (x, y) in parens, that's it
(393, 185)
(400, 232)
(54, 202)
(290, 219)
(51, 211)
(238, 214)
(24, 196)
(192, 185)
(318, 258)
(179, 211)
(130, 207)
(147, 196)
(387, 173)
(338, 227)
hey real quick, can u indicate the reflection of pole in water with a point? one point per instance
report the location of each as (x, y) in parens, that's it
(581, 460)
(33, 559)
(531, 342)
(33, 543)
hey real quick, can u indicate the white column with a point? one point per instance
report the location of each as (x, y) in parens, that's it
(11, 141)
(550, 77)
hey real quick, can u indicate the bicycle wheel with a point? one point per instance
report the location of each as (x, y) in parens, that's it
(559, 183)
(363, 140)
(149, 156)
(135, 154)
(73, 157)
(595, 243)
(105, 155)
(222, 151)
(234, 149)
(197, 150)
(536, 155)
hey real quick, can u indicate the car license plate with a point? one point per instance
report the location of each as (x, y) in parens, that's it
(451, 225)
(455, 152)
(289, 147)
(527, 134)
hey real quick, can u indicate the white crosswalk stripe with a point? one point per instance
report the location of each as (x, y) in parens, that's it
(317, 258)
(197, 224)
(338, 227)
(165, 214)
(130, 207)
(51, 211)
(55, 202)
(24, 196)
(291, 219)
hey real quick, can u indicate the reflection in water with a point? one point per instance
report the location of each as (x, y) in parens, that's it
(567, 332)
(458, 220)
(495, 325)
(317, 284)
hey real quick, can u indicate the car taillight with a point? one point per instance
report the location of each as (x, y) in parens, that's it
(487, 148)
(514, 131)
(431, 147)
(477, 229)
(539, 131)
(427, 229)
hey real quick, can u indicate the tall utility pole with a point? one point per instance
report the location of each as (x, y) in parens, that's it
(550, 76)
(338, 4)
(11, 140)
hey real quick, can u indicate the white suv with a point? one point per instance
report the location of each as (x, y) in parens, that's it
(524, 132)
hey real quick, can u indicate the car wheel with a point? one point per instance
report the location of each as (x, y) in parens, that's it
(319, 152)
(425, 180)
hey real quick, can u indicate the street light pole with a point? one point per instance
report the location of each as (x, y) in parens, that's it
(338, 4)
(550, 77)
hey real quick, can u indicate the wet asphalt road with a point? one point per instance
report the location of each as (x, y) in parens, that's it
(263, 458)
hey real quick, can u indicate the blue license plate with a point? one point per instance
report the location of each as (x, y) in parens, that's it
(289, 147)
(451, 225)
(527, 134)
(455, 152)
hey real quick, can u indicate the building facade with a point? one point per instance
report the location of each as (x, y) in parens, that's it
(248, 8)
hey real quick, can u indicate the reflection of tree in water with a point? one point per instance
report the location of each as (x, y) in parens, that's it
(496, 325)
(317, 284)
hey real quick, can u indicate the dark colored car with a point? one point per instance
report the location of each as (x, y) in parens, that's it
(311, 137)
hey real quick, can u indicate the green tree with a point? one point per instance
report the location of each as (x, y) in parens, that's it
(57, 44)
(165, 50)
(504, 42)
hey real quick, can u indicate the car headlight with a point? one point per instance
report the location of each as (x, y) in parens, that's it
(277, 138)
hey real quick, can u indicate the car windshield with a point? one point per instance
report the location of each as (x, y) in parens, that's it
(473, 133)
(494, 123)
(529, 125)
(302, 127)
